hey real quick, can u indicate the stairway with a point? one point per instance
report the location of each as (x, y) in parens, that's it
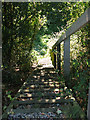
(43, 95)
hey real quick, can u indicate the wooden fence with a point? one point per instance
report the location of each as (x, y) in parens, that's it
(81, 22)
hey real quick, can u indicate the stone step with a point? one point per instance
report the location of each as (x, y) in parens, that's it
(42, 83)
(33, 110)
(42, 79)
(40, 87)
(44, 72)
(37, 105)
(43, 101)
(48, 90)
(42, 97)
(39, 94)
(39, 113)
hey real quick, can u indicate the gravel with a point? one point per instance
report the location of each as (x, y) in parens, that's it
(35, 115)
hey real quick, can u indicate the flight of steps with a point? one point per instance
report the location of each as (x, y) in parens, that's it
(43, 95)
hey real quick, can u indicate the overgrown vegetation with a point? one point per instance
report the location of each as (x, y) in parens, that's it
(29, 30)
(80, 67)
(79, 60)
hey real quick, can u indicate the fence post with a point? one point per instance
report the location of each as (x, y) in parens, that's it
(55, 58)
(67, 57)
(88, 107)
(58, 58)
(0, 60)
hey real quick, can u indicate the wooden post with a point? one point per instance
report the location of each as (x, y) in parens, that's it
(58, 58)
(67, 57)
(88, 107)
(0, 60)
(55, 59)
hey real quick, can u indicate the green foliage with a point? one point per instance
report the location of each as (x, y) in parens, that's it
(27, 28)
(43, 52)
(79, 47)
(19, 30)
(52, 56)
(79, 81)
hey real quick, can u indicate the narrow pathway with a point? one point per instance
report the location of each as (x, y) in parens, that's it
(43, 95)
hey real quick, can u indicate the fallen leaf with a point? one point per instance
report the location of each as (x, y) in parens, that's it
(59, 111)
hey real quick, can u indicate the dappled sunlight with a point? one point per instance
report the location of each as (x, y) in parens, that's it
(45, 90)
(56, 91)
(19, 90)
(32, 86)
(43, 80)
(35, 76)
(53, 100)
(65, 88)
(50, 80)
(31, 99)
(58, 98)
(26, 90)
(51, 85)
(46, 100)
(45, 53)
(42, 74)
(45, 87)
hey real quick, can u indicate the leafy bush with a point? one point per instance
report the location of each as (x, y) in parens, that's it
(43, 52)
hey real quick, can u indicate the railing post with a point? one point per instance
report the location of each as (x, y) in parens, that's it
(67, 57)
(55, 59)
(88, 107)
(0, 60)
(58, 58)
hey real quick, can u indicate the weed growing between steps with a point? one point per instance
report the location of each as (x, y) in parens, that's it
(73, 110)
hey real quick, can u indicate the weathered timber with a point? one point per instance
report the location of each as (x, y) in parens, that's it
(67, 57)
(88, 108)
(55, 60)
(81, 22)
(58, 58)
(0, 56)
